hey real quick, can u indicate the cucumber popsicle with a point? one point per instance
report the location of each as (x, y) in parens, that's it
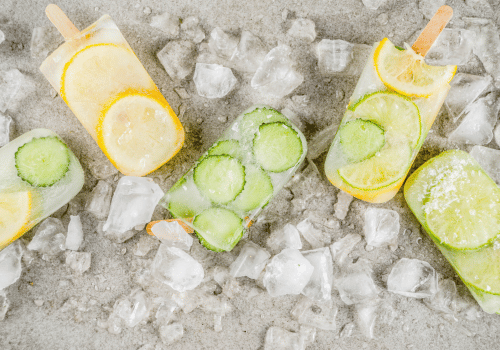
(232, 181)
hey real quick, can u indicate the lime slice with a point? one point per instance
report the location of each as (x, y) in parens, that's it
(396, 114)
(361, 139)
(463, 209)
(406, 72)
(381, 170)
(15, 210)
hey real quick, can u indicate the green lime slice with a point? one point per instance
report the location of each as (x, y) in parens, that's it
(398, 116)
(463, 209)
(381, 170)
(361, 139)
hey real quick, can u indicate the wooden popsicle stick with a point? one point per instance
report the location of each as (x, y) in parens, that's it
(61, 21)
(187, 228)
(432, 30)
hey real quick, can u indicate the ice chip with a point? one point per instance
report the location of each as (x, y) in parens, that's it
(172, 234)
(222, 44)
(453, 46)
(318, 315)
(285, 237)
(191, 30)
(49, 239)
(177, 57)
(171, 333)
(276, 75)
(287, 273)
(445, 299)
(133, 203)
(373, 313)
(319, 287)
(413, 278)
(213, 80)
(303, 28)
(429, 7)
(44, 40)
(101, 168)
(489, 160)
(78, 262)
(381, 227)
(176, 268)
(100, 200)
(321, 142)
(340, 250)
(165, 312)
(356, 284)
(373, 4)
(339, 57)
(5, 129)
(166, 23)
(249, 54)
(132, 309)
(341, 208)
(314, 233)
(11, 82)
(251, 261)
(279, 339)
(74, 238)
(4, 303)
(10, 265)
(145, 244)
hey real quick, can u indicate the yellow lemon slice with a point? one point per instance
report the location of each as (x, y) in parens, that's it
(15, 209)
(406, 72)
(139, 133)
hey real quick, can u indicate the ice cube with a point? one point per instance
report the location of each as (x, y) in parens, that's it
(381, 227)
(464, 89)
(6, 127)
(145, 244)
(250, 262)
(319, 287)
(285, 237)
(44, 40)
(314, 233)
(276, 75)
(477, 125)
(191, 30)
(249, 54)
(489, 159)
(486, 45)
(341, 208)
(10, 265)
(100, 200)
(166, 23)
(213, 80)
(341, 249)
(321, 142)
(176, 268)
(356, 284)
(132, 309)
(165, 312)
(453, 46)
(171, 333)
(339, 57)
(319, 315)
(373, 4)
(79, 262)
(172, 234)
(4, 302)
(413, 278)
(429, 7)
(279, 339)
(189, 300)
(177, 57)
(11, 82)
(287, 273)
(133, 203)
(101, 168)
(303, 28)
(74, 238)
(445, 299)
(49, 239)
(373, 313)
(222, 44)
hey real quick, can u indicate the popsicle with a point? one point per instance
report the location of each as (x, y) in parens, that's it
(39, 174)
(458, 204)
(235, 179)
(105, 85)
(388, 117)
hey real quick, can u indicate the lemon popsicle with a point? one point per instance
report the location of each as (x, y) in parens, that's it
(105, 85)
(39, 175)
(388, 117)
(231, 182)
(458, 204)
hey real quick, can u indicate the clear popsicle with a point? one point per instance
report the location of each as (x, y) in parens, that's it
(39, 174)
(388, 117)
(105, 85)
(231, 182)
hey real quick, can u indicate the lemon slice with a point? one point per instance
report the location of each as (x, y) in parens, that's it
(139, 133)
(95, 75)
(15, 209)
(406, 72)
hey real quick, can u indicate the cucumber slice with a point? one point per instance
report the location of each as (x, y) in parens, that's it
(220, 178)
(229, 147)
(219, 229)
(251, 121)
(361, 139)
(185, 200)
(257, 192)
(277, 147)
(43, 161)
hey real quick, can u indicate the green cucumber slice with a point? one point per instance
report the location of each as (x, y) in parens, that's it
(277, 147)
(251, 121)
(229, 147)
(219, 229)
(185, 200)
(220, 178)
(361, 139)
(257, 192)
(43, 161)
